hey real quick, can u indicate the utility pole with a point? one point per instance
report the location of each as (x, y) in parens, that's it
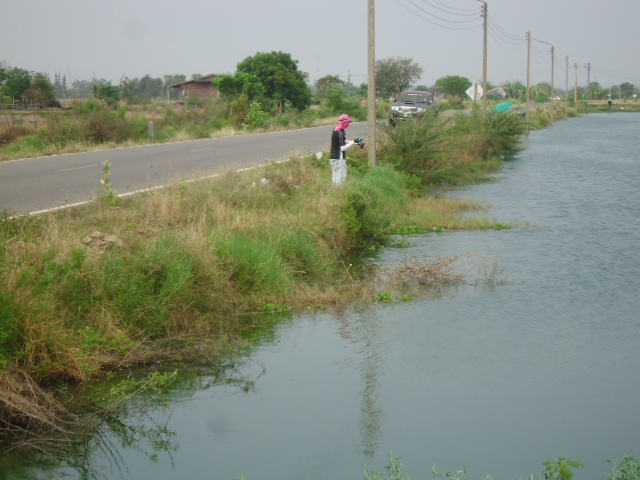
(553, 81)
(485, 15)
(528, 81)
(371, 113)
(588, 67)
(575, 66)
(553, 88)
(566, 92)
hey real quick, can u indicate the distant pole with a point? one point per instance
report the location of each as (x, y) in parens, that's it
(566, 92)
(588, 67)
(553, 81)
(371, 114)
(553, 87)
(485, 15)
(553, 64)
(528, 81)
(575, 66)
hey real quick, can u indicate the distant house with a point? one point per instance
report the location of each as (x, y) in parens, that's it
(198, 88)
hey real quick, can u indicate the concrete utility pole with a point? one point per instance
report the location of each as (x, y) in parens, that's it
(485, 15)
(528, 81)
(566, 92)
(553, 88)
(371, 114)
(553, 81)
(575, 66)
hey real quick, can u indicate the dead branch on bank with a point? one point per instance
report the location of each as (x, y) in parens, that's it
(423, 273)
(31, 416)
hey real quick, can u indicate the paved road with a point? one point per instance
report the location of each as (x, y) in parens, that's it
(37, 184)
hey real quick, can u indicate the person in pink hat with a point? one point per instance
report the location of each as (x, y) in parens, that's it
(339, 146)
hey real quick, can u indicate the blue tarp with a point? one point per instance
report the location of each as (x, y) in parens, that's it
(501, 107)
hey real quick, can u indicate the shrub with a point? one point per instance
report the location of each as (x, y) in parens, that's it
(256, 117)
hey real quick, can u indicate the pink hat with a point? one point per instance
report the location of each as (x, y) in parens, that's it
(343, 122)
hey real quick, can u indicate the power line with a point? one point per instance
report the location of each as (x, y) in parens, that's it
(475, 11)
(417, 14)
(454, 8)
(439, 18)
(522, 45)
(506, 35)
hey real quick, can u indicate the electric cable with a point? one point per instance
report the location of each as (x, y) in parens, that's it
(475, 12)
(454, 8)
(417, 14)
(439, 18)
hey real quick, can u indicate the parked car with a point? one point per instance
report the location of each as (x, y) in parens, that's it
(411, 103)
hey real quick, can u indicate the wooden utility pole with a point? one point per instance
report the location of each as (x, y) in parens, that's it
(371, 114)
(485, 15)
(528, 81)
(566, 92)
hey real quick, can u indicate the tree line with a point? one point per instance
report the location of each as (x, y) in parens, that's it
(270, 80)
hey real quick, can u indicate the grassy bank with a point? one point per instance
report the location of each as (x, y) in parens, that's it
(172, 272)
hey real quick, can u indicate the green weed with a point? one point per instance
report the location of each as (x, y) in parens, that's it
(273, 308)
(109, 193)
(394, 471)
(384, 297)
(560, 468)
(627, 469)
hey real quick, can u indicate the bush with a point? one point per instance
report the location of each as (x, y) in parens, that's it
(255, 117)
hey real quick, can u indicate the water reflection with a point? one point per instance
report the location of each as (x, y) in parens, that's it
(366, 332)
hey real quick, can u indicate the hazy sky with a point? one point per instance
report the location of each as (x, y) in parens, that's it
(107, 39)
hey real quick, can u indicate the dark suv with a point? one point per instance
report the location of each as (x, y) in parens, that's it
(410, 103)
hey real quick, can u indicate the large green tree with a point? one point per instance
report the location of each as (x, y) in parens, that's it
(326, 84)
(41, 91)
(148, 87)
(279, 75)
(395, 74)
(105, 92)
(627, 90)
(453, 85)
(233, 86)
(597, 92)
(14, 81)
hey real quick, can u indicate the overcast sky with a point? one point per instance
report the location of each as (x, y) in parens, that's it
(106, 39)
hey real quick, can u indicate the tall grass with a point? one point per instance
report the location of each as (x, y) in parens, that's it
(452, 151)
